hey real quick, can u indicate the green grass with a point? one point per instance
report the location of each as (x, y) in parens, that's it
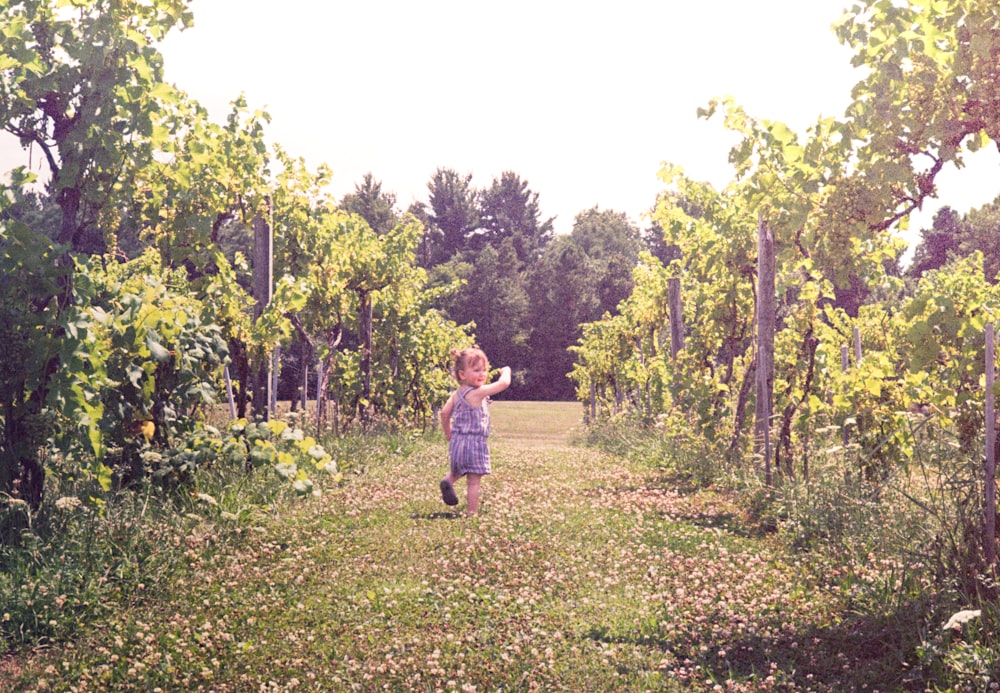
(583, 572)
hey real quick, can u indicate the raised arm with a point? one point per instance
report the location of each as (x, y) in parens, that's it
(475, 397)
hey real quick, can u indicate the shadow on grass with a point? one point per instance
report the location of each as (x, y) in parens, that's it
(863, 652)
(725, 520)
(436, 516)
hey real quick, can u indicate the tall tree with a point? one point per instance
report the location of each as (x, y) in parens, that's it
(371, 204)
(453, 216)
(936, 243)
(981, 231)
(495, 300)
(613, 243)
(510, 210)
(83, 88)
(563, 296)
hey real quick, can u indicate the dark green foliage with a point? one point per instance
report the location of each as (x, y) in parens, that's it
(936, 243)
(29, 334)
(371, 204)
(981, 231)
(562, 287)
(612, 242)
(952, 235)
(494, 299)
(510, 210)
(453, 216)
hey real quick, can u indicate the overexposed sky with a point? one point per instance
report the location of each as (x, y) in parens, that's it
(583, 100)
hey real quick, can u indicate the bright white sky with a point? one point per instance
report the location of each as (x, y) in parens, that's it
(583, 100)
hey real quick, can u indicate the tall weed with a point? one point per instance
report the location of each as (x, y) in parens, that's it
(689, 459)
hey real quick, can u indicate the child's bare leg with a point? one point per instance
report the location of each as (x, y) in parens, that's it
(472, 487)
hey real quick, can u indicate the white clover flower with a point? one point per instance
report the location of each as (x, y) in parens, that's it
(151, 458)
(330, 467)
(68, 503)
(287, 470)
(293, 434)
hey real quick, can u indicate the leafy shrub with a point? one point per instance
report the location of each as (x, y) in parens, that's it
(86, 550)
(141, 363)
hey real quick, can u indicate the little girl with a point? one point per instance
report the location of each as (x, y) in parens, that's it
(465, 420)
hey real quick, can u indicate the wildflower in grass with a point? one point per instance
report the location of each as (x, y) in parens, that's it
(277, 426)
(286, 469)
(960, 618)
(68, 503)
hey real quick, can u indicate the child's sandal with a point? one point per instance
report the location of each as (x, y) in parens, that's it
(448, 493)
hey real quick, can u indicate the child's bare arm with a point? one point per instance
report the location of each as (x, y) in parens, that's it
(475, 397)
(446, 416)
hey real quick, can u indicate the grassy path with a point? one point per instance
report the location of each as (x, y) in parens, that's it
(581, 574)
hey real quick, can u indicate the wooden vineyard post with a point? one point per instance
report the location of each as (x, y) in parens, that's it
(320, 402)
(676, 316)
(990, 501)
(765, 345)
(229, 395)
(263, 283)
(272, 396)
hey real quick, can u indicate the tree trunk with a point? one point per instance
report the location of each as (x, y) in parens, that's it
(749, 378)
(783, 452)
(241, 373)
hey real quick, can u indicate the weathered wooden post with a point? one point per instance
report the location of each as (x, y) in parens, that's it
(676, 316)
(320, 402)
(263, 282)
(365, 319)
(765, 344)
(229, 395)
(272, 398)
(990, 510)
